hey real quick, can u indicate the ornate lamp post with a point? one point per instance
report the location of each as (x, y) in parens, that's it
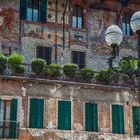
(113, 37)
(135, 25)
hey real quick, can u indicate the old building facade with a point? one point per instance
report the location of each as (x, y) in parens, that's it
(58, 110)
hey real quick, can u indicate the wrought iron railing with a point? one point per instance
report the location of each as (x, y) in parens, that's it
(9, 129)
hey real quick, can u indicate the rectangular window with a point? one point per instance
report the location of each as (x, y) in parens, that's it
(126, 25)
(79, 59)
(33, 10)
(77, 18)
(8, 119)
(64, 115)
(36, 113)
(118, 119)
(91, 117)
(44, 53)
(136, 120)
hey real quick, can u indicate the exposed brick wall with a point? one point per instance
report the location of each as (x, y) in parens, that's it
(78, 94)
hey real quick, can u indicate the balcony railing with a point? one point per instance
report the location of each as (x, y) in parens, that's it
(9, 129)
(117, 79)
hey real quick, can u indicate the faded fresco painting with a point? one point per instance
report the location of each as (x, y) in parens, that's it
(99, 21)
(9, 24)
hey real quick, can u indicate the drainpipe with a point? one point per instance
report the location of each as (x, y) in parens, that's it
(64, 13)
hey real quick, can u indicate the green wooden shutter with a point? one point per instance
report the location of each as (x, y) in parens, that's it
(88, 117)
(115, 119)
(13, 123)
(136, 121)
(40, 112)
(33, 113)
(64, 115)
(95, 117)
(0, 103)
(23, 9)
(67, 116)
(60, 115)
(43, 11)
(121, 119)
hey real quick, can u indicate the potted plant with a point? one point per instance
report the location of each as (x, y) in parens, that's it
(15, 62)
(103, 77)
(3, 63)
(54, 71)
(38, 66)
(70, 71)
(86, 74)
(19, 71)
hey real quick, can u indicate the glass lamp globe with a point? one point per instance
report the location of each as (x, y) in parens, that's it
(113, 35)
(135, 21)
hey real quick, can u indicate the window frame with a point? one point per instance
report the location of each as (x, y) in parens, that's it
(32, 10)
(78, 58)
(76, 14)
(44, 53)
(126, 16)
(4, 127)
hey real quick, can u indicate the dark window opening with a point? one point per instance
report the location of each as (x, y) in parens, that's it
(79, 59)
(77, 18)
(33, 10)
(9, 127)
(126, 25)
(44, 53)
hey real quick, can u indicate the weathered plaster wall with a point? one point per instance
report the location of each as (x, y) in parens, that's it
(78, 94)
(91, 39)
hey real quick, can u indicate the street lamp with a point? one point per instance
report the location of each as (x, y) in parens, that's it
(113, 38)
(135, 25)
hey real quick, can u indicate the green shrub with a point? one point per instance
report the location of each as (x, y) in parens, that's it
(55, 70)
(104, 76)
(3, 63)
(20, 69)
(70, 70)
(47, 71)
(15, 61)
(87, 74)
(38, 65)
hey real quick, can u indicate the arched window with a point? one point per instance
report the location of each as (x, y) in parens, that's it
(77, 18)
